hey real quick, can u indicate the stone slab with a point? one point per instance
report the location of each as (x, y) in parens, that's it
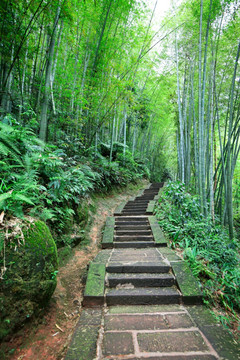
(169, 254)
(134, 244)
(84, 341)
(133, 238)
(153, 220)
(130, 222)
(138, 267)
(135, 322)
(140, 280)
(95, 285)
(117, 344)
(108, 237)
(222, 342)
(119, 208)
(102, 257)
(138, 309)
(131, 258)
(142, 296)
(138, 219)
(167, 342)
(150, 207)
(133, 212)
(137, 252)
(187, 283)
(159, 238)
(201, 315)
(110, 221)
(176, 321)
(132, 227)
(128, 232)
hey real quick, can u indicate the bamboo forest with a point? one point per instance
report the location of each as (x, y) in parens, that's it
(100, 99)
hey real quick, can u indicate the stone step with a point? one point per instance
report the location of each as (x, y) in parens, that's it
(151, 190)
(133, 212)
(141, 280)
(137, 211)
(133, 232)
(134, 244)
(132, 227)
(147, 197)
(138, 267)
(131, 223)
(137, 218)
(133, 238)
(134, 207)
(145, 203)
(143, 296)
(137, 201)
(157, 185)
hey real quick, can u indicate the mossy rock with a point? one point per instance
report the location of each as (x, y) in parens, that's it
(30, 278)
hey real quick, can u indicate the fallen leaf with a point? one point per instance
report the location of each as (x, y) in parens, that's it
(1, 217)
(57, 326)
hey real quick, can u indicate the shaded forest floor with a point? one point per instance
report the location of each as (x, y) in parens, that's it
(48, 336)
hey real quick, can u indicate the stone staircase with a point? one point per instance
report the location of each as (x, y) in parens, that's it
(140, 277)
(140, 269)
(133, 232)
(135, 274)
(150, 297)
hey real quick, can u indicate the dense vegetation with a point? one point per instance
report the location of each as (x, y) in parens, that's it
(48, 182)
(214, 259)
(93, 95)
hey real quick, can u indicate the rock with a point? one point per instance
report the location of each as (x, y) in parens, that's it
(30, 277)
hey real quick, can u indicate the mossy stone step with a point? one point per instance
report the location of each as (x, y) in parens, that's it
(188, 285)
(133, 223)
(132, 227)
(108, 236)
(138, 267)
(135, 208)
(132, 212)
(138, 201)
(133, 238)
(143, 296)
(138, 219)
(134, 244)
(137, 205)
(83, 345)
(95, 285)
(141, 280)
(128, 232)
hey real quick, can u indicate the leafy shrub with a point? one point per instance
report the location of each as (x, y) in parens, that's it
(207, 248)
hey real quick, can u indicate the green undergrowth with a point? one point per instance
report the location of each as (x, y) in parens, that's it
(53, 182)
(213, 258)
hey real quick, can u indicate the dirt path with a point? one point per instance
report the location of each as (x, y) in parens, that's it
(48, 338)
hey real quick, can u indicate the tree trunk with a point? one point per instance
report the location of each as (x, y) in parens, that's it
(47, 87)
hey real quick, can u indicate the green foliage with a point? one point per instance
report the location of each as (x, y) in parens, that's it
(205, 245)
(48, 182)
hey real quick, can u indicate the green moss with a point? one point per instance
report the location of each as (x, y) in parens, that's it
(64, 254)
(30, 278)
